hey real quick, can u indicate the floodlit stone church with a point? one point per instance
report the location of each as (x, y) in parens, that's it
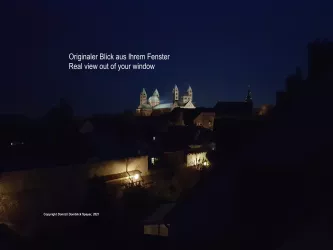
(151, 105)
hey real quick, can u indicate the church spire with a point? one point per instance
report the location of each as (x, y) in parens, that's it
(156, 93)
(143, 97)
(190, 93)
(249, 95)
(175, 93)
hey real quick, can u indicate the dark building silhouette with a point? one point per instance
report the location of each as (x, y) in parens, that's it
(293, 86)
(200, 117)
(320, 60)
(248, 97)
(281, 98)
(274, 193)
(235, 109)
(294, 82)
(320, 71)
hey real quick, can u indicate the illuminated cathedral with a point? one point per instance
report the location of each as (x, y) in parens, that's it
(151, 105)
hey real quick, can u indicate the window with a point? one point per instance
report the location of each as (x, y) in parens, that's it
(154, 160)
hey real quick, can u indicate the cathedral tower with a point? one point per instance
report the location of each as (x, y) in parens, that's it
(156, 93)
(175, 93)
(190, 93)
(248, 98)
(143, 97)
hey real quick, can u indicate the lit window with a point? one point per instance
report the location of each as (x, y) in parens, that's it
(153, 160)
(154, 138)
(15, 143)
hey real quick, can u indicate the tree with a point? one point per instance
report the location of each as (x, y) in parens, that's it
(61, 113)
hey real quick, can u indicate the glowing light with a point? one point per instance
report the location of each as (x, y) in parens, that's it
(136, 177)
(205, 163)
(153, 160)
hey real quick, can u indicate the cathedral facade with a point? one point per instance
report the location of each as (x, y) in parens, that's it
(152, 105)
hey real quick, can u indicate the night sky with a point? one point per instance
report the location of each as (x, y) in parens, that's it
(218, 47)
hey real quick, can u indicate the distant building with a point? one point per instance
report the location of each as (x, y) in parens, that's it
(152, 105)
(266, 175)
(197, 157)
(293, 86)
(200, 117)
(235, 109)
(281, 98)
(248, 98)
(320, 70)
(320, 60)
(205, 120)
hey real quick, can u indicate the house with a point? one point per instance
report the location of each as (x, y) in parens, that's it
(200, 117)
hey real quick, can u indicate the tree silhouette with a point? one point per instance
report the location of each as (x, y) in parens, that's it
(60, 114)
(61, 139)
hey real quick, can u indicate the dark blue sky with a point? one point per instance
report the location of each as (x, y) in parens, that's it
(218, 47)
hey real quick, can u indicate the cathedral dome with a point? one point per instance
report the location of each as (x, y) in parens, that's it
(154, 100)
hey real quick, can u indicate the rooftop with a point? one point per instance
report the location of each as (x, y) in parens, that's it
(233, 108)
(163, 106)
